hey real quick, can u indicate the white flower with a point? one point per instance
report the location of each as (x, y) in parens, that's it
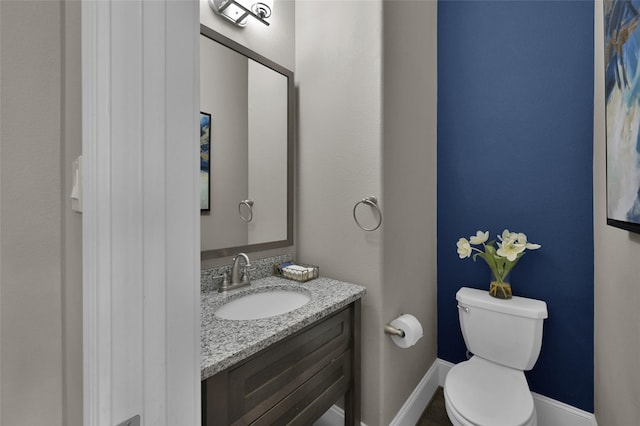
(464, 248)
(508, 236)
(501, 260)
(510, 249)
(479, 238)
(522, 239)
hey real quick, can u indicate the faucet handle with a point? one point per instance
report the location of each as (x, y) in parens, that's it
(225, 280)
(223, 276)
(245, 273)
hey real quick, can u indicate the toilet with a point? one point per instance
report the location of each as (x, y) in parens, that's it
(505, 337)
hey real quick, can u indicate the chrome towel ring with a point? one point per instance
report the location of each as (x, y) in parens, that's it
(373, 202)
(249, 204)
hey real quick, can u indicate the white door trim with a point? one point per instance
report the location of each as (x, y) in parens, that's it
(141, 233)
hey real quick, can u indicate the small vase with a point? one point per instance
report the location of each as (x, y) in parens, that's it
(500, 289)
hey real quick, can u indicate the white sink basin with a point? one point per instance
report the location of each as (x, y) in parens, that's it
(262, 305)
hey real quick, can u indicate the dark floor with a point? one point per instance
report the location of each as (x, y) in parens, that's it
(435, 414)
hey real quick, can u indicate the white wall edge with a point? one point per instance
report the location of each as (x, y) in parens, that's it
(96, 217)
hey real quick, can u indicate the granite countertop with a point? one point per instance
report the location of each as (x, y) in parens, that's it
(227, 342)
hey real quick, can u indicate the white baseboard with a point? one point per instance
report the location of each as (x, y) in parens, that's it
(552, 412)
(413, 408)
(549, 411)
(333, 417)
(443, 370)
(410, 411)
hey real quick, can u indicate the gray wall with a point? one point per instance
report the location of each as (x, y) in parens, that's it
(40, 251)
(339, 74)
(409, 187)
(617, 289)
(367, 111)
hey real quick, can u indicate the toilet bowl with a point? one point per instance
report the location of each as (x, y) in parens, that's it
(481, 393)
(505, 336)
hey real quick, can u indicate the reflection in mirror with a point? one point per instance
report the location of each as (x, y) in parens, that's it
(250, 100)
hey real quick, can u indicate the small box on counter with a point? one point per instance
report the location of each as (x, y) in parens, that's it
(296, 271)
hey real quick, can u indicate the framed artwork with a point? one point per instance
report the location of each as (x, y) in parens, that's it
(622, 106)
(205, 169)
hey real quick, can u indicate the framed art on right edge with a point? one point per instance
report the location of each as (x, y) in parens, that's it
(622, 106)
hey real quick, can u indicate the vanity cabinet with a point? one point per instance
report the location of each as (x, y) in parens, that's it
(293, 381)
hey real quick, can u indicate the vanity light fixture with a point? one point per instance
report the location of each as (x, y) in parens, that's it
(238, 11)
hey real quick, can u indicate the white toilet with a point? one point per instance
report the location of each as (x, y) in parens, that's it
(505, 336)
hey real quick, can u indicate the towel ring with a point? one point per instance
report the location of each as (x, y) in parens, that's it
(373, 202)
(249, 204)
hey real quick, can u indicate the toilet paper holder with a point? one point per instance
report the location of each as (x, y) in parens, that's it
(391, 330)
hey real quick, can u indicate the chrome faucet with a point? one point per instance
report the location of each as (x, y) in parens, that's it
(237, 280)
(235, 270)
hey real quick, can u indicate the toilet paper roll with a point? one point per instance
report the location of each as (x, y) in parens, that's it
(412, 330)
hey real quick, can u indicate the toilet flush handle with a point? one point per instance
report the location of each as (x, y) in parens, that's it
(464, 308)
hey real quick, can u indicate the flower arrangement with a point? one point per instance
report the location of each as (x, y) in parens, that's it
(501, 260)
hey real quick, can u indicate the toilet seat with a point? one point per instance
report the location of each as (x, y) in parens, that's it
(458, 419)
(481, 393)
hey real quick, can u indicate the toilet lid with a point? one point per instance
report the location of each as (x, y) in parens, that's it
(485, 393)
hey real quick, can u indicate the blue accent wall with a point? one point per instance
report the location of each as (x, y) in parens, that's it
(515, 150)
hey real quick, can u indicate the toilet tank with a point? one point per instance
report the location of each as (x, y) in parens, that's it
(507, 332)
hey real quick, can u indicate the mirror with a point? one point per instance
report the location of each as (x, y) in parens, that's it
(250, 159)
